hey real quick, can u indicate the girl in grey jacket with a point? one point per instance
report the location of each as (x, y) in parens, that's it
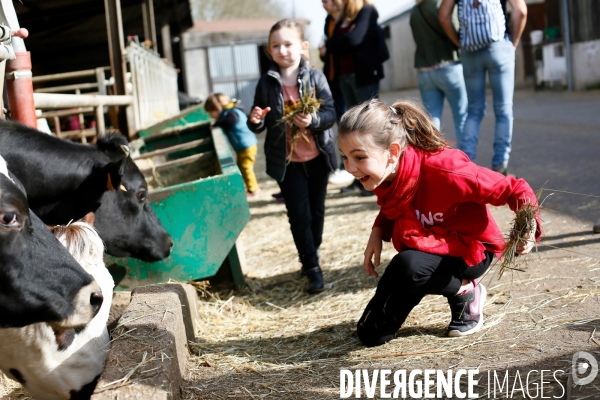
(301, 171)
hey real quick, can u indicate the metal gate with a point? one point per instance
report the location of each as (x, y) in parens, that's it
(234, 70)
(154, 87)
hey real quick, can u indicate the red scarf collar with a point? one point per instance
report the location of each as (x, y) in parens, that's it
(396, 198)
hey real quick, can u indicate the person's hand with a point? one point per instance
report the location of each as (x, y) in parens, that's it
(322, 50)
(258, 114)
(526, 245)
(373, 252)
(21, 33)
(302, 120)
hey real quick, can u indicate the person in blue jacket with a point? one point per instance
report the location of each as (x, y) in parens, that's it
(232, 121)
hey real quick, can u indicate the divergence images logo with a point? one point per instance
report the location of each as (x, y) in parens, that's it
(580, 369)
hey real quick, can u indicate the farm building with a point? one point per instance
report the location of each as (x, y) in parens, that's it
(106, 48)
(544, 63)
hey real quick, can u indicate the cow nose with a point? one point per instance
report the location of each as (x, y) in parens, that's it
(96, 300)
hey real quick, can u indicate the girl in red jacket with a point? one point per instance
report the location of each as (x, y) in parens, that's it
(433, 209)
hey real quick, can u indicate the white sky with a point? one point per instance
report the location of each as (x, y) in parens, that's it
(313, 11)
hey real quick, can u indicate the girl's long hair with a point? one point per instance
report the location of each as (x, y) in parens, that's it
(353, 7)
(338, 5)
(404, 122)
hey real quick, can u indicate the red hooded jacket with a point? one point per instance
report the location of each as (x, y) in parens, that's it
(437, 204)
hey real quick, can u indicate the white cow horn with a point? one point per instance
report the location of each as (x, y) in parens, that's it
(125, 149)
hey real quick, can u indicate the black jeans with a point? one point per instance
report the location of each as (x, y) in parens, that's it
(410, 276)
(304, 188)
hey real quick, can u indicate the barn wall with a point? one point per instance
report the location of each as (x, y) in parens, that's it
(399, 70)
(195, 56)
(586, 64)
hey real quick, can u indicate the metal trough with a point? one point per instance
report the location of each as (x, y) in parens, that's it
(202, 203)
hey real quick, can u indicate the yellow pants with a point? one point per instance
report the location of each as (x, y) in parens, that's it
(245, 162)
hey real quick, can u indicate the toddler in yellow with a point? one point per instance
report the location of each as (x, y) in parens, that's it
(232, 121)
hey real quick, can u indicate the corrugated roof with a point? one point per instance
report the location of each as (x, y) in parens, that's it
(237, 25)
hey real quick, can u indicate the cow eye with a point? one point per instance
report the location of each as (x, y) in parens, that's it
(10, 219)
(141, 196)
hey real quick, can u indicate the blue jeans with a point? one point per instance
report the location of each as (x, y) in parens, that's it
(354, 95)
(498, 60)
(445, 82)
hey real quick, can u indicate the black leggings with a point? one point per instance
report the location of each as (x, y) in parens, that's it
(304, 189)
(410, 276)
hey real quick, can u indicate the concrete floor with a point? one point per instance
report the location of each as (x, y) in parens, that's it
(556, 143)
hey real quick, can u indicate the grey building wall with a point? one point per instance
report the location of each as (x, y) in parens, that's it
(399, 70)
(195, 55)
(586, 64)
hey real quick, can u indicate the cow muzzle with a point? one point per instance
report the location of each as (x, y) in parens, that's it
(87, 303)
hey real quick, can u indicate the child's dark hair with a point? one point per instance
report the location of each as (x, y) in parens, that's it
(287, 23)
(216, 102)
(403, 122)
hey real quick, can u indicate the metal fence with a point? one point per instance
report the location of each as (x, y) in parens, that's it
(151, 92)
(153, 86)
(234, 70)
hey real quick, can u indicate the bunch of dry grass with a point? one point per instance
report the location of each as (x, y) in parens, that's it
(308, 104)
(523, 225)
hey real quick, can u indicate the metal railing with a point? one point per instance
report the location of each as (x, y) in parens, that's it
(97, 87)
(153, 85)
(151, 92)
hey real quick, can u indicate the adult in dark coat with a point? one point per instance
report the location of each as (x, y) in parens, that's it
(334, 10)
(359, 50)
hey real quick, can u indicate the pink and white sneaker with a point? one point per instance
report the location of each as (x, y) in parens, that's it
(467, 311)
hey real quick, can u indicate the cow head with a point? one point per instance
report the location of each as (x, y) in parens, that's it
(39, 280)
(127, 223)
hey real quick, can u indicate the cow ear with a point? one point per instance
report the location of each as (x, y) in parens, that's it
(113, 172)
(114, 146)
(89, 218)
(123, 166)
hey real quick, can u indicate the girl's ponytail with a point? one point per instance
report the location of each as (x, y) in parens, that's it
(420, 131)
(403, 122)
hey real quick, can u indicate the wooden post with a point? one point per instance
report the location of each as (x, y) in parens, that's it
(166, 42)
(100, 127)
(118, 66)
(149, 24)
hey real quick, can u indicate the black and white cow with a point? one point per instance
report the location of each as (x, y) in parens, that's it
(39, 279)
(127, 223)
(63, 364)
(65, 181)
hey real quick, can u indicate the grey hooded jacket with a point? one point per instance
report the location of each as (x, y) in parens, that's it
(269, 93)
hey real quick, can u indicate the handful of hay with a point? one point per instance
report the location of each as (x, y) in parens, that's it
(523, 224)
(308, 104)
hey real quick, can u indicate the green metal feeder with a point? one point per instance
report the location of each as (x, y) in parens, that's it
(202, 203)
